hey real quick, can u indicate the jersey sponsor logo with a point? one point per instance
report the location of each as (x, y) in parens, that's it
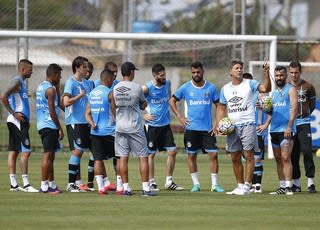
(159, 101)
(280, 104)
(238, 109)
(123, 89)
(235, 99)
(96, 92)
(199, 102)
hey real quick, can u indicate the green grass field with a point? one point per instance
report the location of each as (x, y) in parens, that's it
(169, 210)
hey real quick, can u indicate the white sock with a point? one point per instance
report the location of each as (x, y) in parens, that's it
(119, 183)
(194, 177)
(152, 180)
(126, 187)
(13, 180)
(78, 182)
(99, 179)
(145, 186)
(240, 185)
(25, 179)
(282, 183)
(52, 184)
(288, 183)
(310, 181)
(44, 185)
(106, 181)
(169, 180)
(297, 182)
(214, 179)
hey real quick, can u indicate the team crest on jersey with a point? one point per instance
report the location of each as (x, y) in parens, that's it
(206, 94)
(123, 89)
(235, 99)
(189, 145)
(150, 144)
(78, 141)
(97, 92)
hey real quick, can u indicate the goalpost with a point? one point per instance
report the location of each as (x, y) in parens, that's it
(148, 37)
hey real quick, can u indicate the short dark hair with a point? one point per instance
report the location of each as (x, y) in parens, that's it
(127, 67)
(90, 65)
(196, 64)
(53, 69)
(24, 62)
(110, 64)
(77, 62)
(158, 68)
(295, 64)
(280, 67)
(247, 76)
(235, 62)
(106, 73)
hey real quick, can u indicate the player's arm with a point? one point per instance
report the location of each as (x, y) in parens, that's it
(14, 87)
(265, 87)
(50, 95)
(69, 100)
(88, 117)
(312, 99)
(293, 111)
(112, 104)
(173, 105)
(264, 126)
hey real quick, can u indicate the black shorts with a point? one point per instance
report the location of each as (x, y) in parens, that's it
(102, 147)
(19, 140)
(196, 140)
(160, 138)
(278, 137)
(79, 136)
(49, 139)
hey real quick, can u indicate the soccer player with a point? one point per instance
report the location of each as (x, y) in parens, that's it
(262, 121)
(75, 100)
(157, 125)
(15, 100)
(236, 100)
(48, 126)
(303, 140)
(198, 95)
(91, 85)
(129, 100)
(100, 117)
(283, 128)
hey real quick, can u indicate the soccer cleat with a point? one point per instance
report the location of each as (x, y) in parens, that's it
(90, 186)
(217, 188)
(55, 190)
(148, 193)
(119, 192)
(72, 188)
(154, 187)
(195, 188)
(312, 189)
(288, 191)
(239, 191)
(296, 188)
(256, 188)
(16, 188)
(173, 186)
(103, 192)
(110, 187)
(83, 188)
(125, 193)
(29, 188)
(279, 191)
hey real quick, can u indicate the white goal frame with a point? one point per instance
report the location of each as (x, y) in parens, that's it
(272, 40)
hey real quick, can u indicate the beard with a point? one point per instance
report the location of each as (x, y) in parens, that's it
(280, 83)
(197, 79)
(161, 81)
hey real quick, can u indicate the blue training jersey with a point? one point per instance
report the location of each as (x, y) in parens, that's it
(101, 111)
(42, 109)
(281, 110)
(198, 104)
(74, 114)
(19, 102)
(158, 103)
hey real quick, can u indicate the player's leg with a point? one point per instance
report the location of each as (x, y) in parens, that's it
(258, 166)
(153, 135)
(295, 160)
(286, 148)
